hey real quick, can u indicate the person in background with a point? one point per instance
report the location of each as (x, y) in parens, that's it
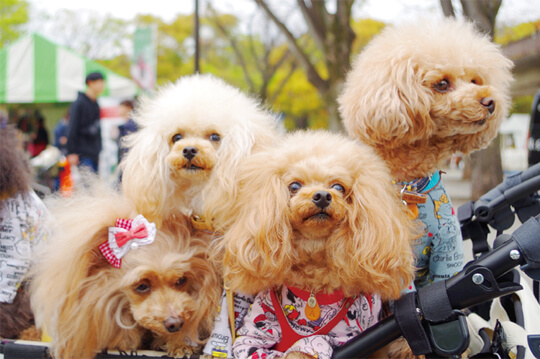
(41, 137)
(125, 129)
(24, 125)
(61, 132)
(130, 126)
(84, 131)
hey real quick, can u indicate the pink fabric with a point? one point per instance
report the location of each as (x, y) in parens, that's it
(109, 255)
(123, 237)
(261, 330)
(106, 250)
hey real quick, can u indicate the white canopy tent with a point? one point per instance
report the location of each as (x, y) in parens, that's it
(36, 70)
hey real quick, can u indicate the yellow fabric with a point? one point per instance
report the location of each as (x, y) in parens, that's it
(230, 306)
(45, 337)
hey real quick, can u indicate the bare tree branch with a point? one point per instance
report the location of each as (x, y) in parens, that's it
(234, 45)
(280, 62)
(447, 8)
(283, 82)
(312, 74)
(316, 20)
(482, 13)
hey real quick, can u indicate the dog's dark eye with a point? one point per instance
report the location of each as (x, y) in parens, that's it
(180, 282)
(476, 81)
(442, 86)
(295, 187)
(176, 138)
(215, 137)
(142, 288)
(338, 187)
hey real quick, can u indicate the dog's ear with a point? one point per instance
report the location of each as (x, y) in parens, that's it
(207, 287)
(84, 289)
(257, 245)
(146, 178)
(380, 235)
(381, 104)
(240, 142)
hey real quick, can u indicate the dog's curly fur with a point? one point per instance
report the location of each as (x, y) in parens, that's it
(157, 175)
(15, 175)
(86, 304)
(360, 243)
(392, 99)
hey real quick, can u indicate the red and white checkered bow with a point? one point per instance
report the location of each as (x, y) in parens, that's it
(128, 234)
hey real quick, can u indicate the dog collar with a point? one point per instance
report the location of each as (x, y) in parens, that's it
(201, 224)
(415, 192)
(422, 185)
(322, 298)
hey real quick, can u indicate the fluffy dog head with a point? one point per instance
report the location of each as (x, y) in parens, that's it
(193, 135)
(420, 92)
(318, 212)
(166, 288)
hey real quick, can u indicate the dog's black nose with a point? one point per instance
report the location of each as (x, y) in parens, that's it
(488, 103)
(173, 324)
(322, 199)
(190, 152)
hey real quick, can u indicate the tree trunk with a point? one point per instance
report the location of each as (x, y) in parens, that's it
(447, 8)
(330, 99)
(486, 169)
(333, 35)
(467, 170)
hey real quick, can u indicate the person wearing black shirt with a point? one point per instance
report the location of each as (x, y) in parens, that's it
(84, 131)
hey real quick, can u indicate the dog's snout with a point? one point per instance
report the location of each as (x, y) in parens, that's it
(190, 152)
(173, 324)
(488, 103)
(322, 199)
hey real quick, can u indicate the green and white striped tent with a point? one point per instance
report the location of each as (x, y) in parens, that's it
(36, 70)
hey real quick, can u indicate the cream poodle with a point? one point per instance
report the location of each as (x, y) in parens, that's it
(108, 279)
(417, 94)
(193, 135)
(318, 232)
(420, 92)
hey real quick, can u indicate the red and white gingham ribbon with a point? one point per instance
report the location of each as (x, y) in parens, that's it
(128, 234)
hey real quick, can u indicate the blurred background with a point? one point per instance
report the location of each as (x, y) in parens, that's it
(292, 54)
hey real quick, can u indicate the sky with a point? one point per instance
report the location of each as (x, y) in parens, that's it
(390, 11)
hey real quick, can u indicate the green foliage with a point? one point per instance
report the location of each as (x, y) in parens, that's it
(365, 30)
(522, 104)
(510, 34)
(119, 64)
(300, 101)
(13, 14)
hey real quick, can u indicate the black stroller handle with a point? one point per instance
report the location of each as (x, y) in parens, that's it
(511, 190)
(475, 284)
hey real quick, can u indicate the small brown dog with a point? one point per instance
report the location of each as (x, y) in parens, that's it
(162, 290)
(317, 231)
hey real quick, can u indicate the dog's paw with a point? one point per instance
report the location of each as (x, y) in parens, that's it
(181, 351)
